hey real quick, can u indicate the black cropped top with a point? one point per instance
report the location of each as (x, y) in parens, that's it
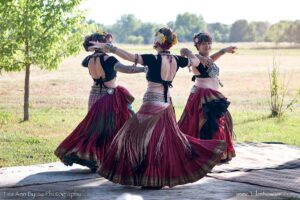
(203, 72)
(154, 68)
(108, 67)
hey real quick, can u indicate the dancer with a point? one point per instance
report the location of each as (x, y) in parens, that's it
(150, 150)
(205, 115)
(108, 108)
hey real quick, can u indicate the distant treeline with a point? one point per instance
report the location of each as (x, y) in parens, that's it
(129, 29)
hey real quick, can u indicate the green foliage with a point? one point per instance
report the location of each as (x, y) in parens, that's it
(219, 32)
(278, 32)
(127, 25)
(5, 118)
(38, 32)
(147, 31)
(293, 32)
(132, 39)
(278, 92)
(259, 30)
(187, 24)
(240, 31)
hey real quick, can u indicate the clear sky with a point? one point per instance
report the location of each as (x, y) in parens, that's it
(162, 11)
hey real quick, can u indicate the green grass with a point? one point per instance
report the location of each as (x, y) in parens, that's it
(18, 148)
(258, 127)
(26, 143)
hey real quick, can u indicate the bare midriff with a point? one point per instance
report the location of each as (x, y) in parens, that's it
(209, 83)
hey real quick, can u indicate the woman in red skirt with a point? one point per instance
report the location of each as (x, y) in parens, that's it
(150, 150)
(205, 115)
(108, 108)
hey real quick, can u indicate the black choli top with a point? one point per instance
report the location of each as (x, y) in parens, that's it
(154, 68)
(203, 72)
(107, 65)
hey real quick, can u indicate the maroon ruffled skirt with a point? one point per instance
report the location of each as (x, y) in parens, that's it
(90, 140)
(206, 117)
(151, 151)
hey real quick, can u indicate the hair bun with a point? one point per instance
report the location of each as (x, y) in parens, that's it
(165, 38)
(99, 36)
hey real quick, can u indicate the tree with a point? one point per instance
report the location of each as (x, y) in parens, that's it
(277, 32)
(238, 31)
(219, 32)
(250, 34)
(127, 25)
(37, 32)
(171, 25)
(147, 31)
(95, 25)
(132, 39)
(260, 30)
(187, 24)
(293, 32)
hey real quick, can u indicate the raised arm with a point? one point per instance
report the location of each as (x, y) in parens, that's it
(206, 61)
(108, 47)
(129, 69)
(217, 55)
(194, 61)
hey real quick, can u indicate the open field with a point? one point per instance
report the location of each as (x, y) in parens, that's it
(58, 100)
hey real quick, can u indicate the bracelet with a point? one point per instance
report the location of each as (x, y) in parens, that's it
(222, 51)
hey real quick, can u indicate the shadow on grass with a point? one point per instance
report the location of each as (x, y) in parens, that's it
(254, 120)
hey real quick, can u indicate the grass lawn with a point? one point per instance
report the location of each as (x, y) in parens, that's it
(25, 143)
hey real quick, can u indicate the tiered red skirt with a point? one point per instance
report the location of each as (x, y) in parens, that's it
(89, 142)
(206, 116)
(151, 151)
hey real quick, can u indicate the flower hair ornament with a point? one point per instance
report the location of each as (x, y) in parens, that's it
(162, 41)
(196, 39)
(160, 38)
(202, 36)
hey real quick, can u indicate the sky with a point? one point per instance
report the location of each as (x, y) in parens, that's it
(162, 11)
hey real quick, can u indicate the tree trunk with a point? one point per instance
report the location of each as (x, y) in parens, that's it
(26, 93)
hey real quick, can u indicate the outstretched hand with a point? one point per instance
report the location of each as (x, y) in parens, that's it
(230, 49)
(97, 45)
